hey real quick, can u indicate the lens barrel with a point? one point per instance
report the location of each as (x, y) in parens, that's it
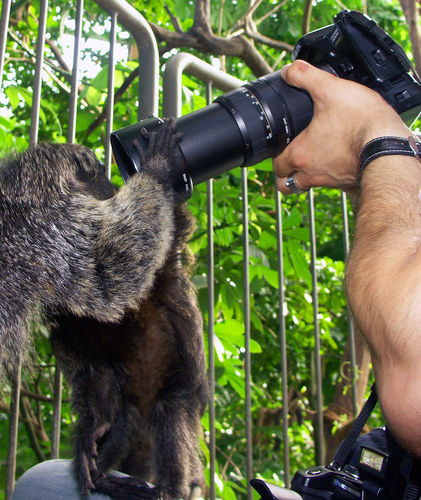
(241, 128)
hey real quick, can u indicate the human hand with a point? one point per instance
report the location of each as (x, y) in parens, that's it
(346, 116)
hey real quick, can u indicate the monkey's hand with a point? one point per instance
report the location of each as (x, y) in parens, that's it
(158, 158)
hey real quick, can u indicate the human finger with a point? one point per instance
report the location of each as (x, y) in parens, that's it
(292, 184)
(294, 156)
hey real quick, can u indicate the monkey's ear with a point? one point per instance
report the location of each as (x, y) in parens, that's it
(96, 185)
(88, 173)
(84, 159)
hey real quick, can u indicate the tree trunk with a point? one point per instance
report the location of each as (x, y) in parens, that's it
(342, 403)
(412, 16)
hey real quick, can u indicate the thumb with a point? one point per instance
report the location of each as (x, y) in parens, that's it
(303, 75)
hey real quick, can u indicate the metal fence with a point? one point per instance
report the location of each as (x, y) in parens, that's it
(122, 13)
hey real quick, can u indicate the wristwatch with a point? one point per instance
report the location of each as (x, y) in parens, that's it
(388, 145)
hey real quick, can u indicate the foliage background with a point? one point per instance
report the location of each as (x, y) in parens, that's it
(285, 24)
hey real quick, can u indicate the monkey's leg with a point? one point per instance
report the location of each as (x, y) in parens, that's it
(106, 423)
(176, 425)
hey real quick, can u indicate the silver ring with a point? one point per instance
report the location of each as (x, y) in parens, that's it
(292, 185)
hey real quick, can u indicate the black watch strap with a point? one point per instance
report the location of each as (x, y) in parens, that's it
(389, 145)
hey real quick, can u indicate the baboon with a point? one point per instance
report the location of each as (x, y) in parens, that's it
(109, 270)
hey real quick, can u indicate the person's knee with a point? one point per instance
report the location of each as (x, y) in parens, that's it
(50, 480)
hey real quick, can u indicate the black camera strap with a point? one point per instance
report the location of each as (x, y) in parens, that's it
(348, 443)
(387, 43)
(412, 490)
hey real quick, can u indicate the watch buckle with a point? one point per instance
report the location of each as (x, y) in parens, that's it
(415, 146)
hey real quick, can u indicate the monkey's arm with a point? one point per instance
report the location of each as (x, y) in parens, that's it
(132, 234)
(133, 240)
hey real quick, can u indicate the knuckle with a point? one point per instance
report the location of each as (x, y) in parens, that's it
(297, 71)
(298, 157)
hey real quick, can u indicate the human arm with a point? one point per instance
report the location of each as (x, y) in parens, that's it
(383, 283)
(383, 277)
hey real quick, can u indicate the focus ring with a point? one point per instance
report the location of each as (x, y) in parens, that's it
(251, 121)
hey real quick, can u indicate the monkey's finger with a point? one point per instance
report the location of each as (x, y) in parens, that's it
(85, 476)
(92, 466)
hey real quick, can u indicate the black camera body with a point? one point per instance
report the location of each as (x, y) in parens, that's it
(376, 467)
(323, 482)
(356, 48)
(257, 121)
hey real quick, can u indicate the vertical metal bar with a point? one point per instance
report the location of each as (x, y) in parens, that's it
(71, 134)
(211, 323)
(71, 127)
(351, 330)
(110, 94)
(36, 99)
(282, 339)
(134, 22)
(4, 23)
(246, 282)
(13, 430)
(317, 358)
(55, 441)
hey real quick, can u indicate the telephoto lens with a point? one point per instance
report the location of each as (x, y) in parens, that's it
(240, 128)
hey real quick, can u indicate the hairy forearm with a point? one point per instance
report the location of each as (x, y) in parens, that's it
(385, 261)
(383, 282)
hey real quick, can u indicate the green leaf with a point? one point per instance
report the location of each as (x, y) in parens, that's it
(271, 276)
(13, 95)
(230, 330)
(299, 263)
(299, 233)
(93, 96)
(293, 219)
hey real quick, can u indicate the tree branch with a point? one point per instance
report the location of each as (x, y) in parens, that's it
(271, 12)
(276, 44)
(58, 55)
(413, 19)
(199, 38)
(174, 20)
(305, 27)
(202, 17)
(251, 10)
(117, 96)
(220, 18)
(29, 418)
